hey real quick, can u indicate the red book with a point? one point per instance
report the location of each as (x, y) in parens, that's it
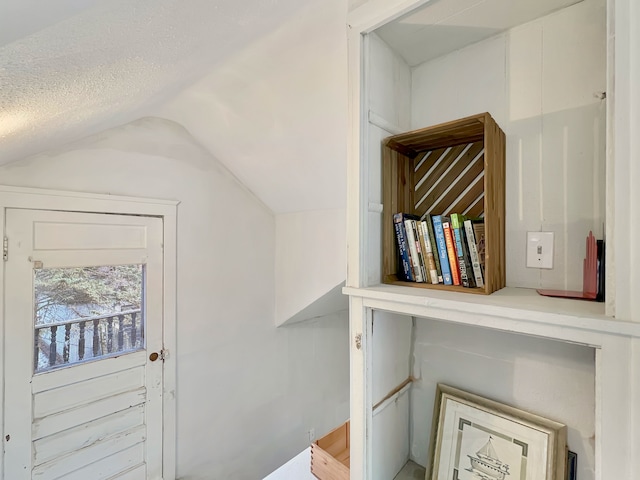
(451, 251)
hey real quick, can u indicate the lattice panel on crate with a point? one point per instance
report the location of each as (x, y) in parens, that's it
(450, 180)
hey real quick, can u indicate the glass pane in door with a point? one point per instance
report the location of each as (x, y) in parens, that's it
(86, 313)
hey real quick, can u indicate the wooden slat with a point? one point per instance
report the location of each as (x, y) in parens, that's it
(79, 373)
(108, 446)
(120, 465)
(87, 434)
(390, 202)
(440, 179)
(468, 197)
(86, 413)
(458, 187)
(335, 441)
(476, 209)
(135, 473)
(494, 212)
(434, 156)
(465, 130)
(70, 396)
(326, 467)
(457, 180)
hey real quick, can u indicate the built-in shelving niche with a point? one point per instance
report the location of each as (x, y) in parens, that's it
(547, 377)
(539, 68)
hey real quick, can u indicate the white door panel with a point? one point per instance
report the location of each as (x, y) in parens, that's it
(93, 407)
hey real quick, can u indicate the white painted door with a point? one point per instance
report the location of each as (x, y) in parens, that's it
(83, 383)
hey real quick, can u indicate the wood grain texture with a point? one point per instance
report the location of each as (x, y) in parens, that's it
(453, 167)
(330, 455)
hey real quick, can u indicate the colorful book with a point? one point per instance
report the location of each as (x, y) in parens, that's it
(442, 248)
(473, 254)
(464, 260)
(414, 253)
(428, 248)
(478, 232)
(432, 238)
(451, 252)
(405, 261)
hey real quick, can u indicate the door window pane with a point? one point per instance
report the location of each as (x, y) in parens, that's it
(87, 313)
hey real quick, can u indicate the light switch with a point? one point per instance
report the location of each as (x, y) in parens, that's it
(540, 249)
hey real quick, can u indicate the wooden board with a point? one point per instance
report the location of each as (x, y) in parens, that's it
(330, 455)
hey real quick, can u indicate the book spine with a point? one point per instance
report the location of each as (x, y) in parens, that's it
(431, 258)
(425, 254)
(465, 278)
(473, 254)
(478, 233)
(442, 249)
(422, 261)
(413, 251)
(434, 246)
(451, 253)
(402, 247)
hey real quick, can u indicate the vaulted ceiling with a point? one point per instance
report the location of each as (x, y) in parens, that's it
(70, 68)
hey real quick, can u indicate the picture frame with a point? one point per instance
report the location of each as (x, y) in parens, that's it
(475, 438)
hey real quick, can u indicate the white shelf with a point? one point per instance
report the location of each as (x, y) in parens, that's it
(518, 310)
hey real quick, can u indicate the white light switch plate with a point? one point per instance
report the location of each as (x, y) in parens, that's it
(540, 249)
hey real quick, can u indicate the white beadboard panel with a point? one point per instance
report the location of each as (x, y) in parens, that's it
(390, 84)
(575, 56)
(135, 473)
(80, 373)
(374, 250)
(375, 138)
(524, 149)
(463, 83)
(524, 63)
(87, 434)
(70, 396)
(553, 379)
(58, 422)
(573, 163)
(74, 236)
(119, 465)
(106, 447)
(391, 437)
(391, 352)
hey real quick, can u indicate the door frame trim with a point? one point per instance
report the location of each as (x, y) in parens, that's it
(42, 199)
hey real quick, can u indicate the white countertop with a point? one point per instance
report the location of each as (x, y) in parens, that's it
(298, 468)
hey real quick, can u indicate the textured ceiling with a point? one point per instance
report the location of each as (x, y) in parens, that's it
(73, 67)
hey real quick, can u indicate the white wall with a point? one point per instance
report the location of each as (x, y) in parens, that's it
(310, 261)
(391, 358)
(275, 113)
(538, 81)
(247, 392)
(553, 379)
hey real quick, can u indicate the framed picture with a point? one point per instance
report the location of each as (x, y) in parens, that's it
(474, 438)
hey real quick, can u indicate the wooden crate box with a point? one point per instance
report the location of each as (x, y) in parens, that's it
(454, 167)
(330, 455)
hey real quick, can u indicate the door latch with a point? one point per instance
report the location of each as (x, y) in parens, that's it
(161, 355)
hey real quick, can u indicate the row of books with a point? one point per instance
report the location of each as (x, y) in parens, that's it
(440, 249)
